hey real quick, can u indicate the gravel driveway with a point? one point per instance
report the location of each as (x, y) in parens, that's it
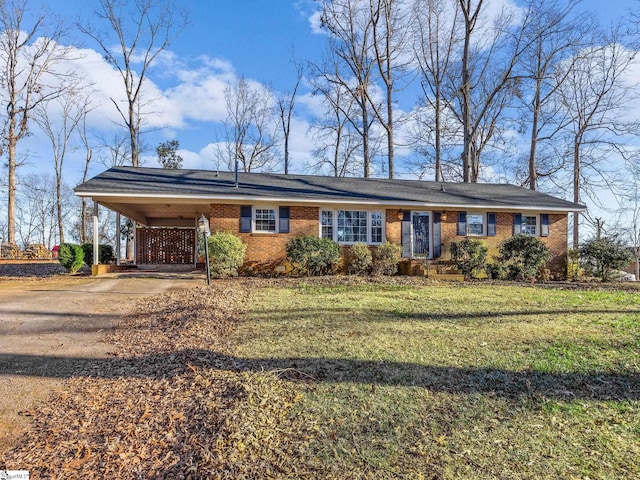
(64, 317)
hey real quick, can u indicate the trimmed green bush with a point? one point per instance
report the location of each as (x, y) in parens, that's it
(313, 255)
(495, 271)
(386, 258)
(523, 255)
(360, 258)
(605, 257)
(105, 253)
(226, 254)
(469, 254)
(71, 256)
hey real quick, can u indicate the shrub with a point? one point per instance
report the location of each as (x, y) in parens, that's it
(604, 257)
(523, 255)
(574, 272)
(469, 254)
(360, 258)
(70, 256)
(313, 255)
(386, 258)
(105, 253)
(495, 271)
(226, 254)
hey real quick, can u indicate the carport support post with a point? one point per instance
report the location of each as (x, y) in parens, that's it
(95, 234)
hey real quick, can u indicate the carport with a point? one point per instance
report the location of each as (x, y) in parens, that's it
(166, 224)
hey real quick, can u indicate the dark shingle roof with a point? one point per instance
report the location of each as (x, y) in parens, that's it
(161, 183)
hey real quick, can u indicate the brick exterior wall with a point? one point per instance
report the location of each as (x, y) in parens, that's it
(556, 241)
(265, 248)
(269, 249)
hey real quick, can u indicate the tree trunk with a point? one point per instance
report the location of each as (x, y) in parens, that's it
(59, 207)
(11, 207)
(437, 120)
(390, 129)
(576, 192)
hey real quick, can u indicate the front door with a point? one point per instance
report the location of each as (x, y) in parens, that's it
(420, 239)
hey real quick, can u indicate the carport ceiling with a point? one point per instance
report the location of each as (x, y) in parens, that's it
(157, 213)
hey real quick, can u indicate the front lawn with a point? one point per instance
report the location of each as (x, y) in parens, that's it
(458, 381)
(344, 377)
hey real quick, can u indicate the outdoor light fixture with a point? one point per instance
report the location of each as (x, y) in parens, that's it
(443, 216)
(400, 215)
(203, 226)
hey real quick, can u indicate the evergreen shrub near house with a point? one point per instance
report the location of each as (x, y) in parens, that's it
(495, 271)
(469, 254)
(523, 255)
(313, 255)
(226, 254)
(105, 253)
(360, 258)
(386, 258)
(604, 257)
(70, 256)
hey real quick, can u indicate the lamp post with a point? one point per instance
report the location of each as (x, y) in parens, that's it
(203, 226)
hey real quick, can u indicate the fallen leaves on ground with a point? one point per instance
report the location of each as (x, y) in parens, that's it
(171, 403)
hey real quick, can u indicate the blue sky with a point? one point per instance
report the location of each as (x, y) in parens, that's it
(224, 39)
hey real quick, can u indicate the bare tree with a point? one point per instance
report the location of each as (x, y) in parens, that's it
(143, 29)
(552, 38)
(337, 142)
(350, 64)
(390, 27)
(59, 119)
(88, 155)
(286, 103)
(29, 55)
(486, 81)
(251, 127)
(595, 95)
(38, 219)
(435, 40)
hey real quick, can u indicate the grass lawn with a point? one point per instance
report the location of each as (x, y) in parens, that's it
(455, 381)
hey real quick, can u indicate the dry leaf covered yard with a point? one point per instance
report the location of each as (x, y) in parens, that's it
(347, 378)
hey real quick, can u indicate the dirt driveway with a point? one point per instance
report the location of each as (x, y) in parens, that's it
(60, 316)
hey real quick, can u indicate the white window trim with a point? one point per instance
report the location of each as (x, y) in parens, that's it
(334, 225)
(276, 209)
(538, 221)
(484, 224)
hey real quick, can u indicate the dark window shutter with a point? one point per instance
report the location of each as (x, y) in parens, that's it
(406, 234)
(245, 219)
(491, 224)
(437, 236)
(283, 215)
(517, 223)
(544, 225)
(462, 223)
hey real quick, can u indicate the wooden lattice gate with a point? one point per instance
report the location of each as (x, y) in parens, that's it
(165, 246)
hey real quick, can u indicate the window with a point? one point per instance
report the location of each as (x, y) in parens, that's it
(528, 226)
(376, 227)
(475, 224)
(265, 220)
(351, 226)
(326, 224)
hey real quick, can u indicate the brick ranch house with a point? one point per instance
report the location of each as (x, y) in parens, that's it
(266, 210)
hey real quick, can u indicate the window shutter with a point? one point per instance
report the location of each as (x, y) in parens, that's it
(544, 225)
(283, 216)
(406, 235)
(462, 223)
(245, 219)
(491, 224)
(437, 236)
(517, 223)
